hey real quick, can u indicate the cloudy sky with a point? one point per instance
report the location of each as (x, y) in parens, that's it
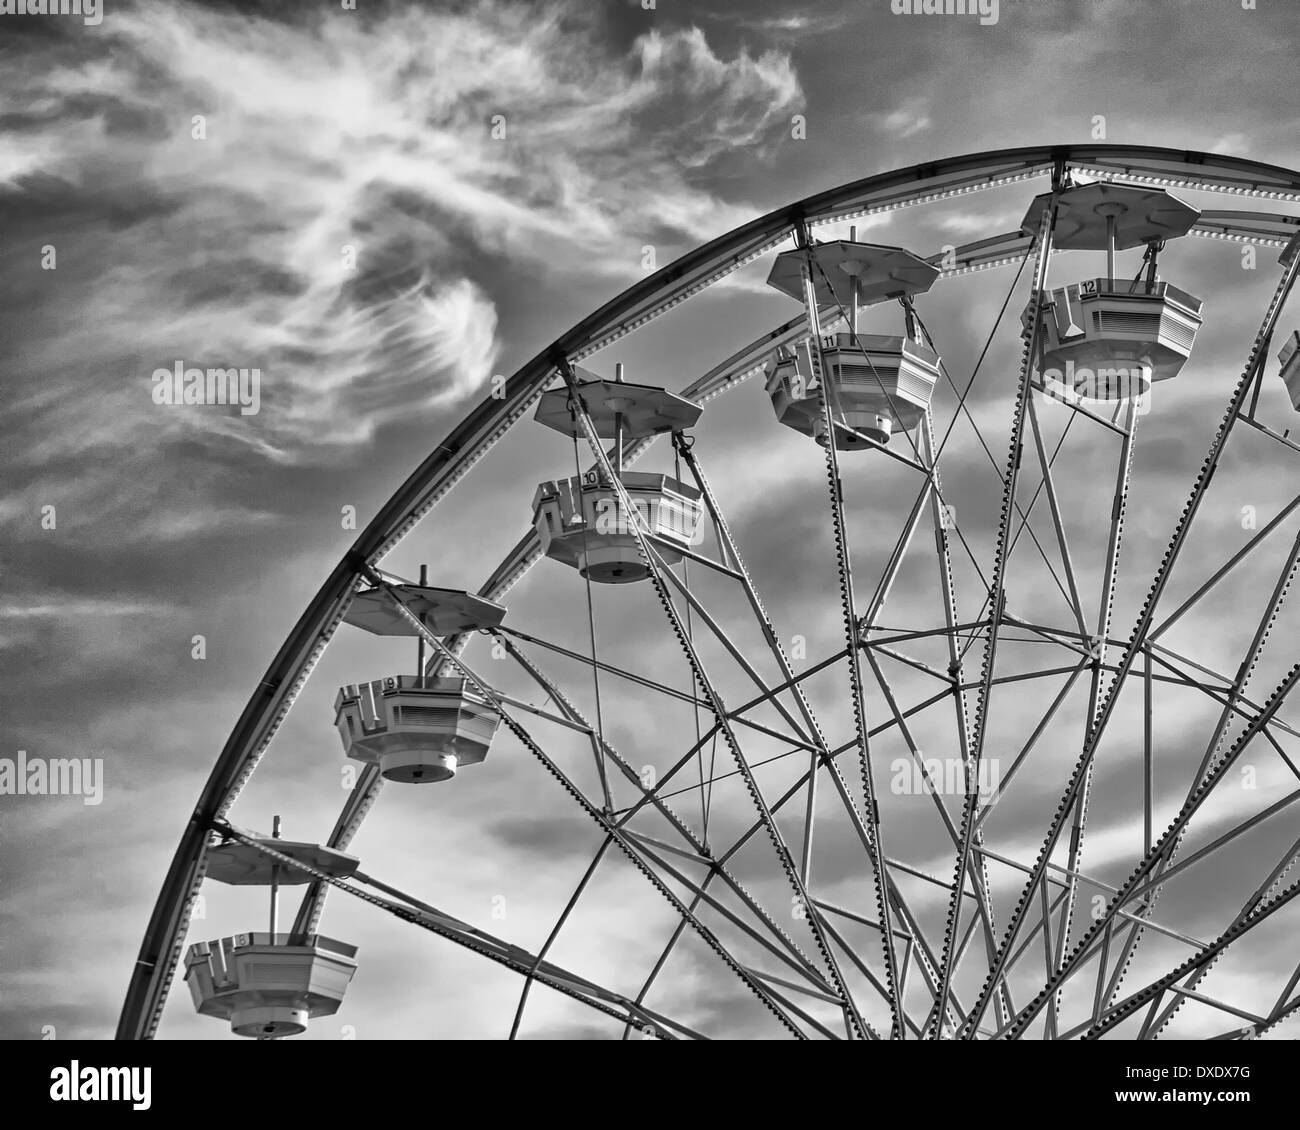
(383, 209)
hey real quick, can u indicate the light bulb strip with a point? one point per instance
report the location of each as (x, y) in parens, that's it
(838, 215)
(1194, 183)
(1239, 237)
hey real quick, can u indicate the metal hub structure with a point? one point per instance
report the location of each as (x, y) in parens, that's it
(882, 829)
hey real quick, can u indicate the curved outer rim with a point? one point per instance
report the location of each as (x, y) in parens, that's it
(474, 435)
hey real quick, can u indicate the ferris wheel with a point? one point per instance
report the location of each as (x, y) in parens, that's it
(887, 730)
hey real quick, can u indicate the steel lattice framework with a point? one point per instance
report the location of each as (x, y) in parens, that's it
(984, 964)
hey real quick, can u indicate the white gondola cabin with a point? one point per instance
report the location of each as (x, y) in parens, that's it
(419, 729)
(1109, 341)
(875, 384)
(269, 985)
(581, 522)
(1110, 338)
(882, 385)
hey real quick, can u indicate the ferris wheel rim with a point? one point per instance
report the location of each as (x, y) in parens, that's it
(488, 422)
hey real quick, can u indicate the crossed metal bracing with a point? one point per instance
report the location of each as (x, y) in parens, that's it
(813, 975)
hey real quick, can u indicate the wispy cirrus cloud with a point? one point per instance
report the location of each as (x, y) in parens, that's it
(907, 120)
(347, 238)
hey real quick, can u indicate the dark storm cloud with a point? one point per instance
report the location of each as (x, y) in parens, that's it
(546, 839)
